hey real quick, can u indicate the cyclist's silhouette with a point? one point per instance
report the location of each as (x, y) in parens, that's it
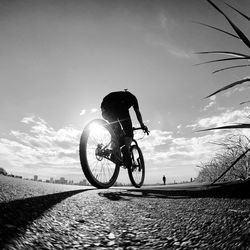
(115, 107)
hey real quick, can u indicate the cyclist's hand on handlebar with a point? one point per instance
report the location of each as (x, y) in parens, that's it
(145, 129)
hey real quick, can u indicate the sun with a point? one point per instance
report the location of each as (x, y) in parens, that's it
(99, 133)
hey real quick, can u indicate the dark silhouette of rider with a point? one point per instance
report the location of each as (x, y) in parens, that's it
(115, 107)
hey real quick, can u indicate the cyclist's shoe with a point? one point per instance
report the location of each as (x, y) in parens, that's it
(126, 157)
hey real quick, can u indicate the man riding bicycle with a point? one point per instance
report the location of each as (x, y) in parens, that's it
(115, 109)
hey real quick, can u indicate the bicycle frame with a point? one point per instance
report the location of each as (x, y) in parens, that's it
(104, 152)
(134, 142)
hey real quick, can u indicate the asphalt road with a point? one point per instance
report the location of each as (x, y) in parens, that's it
(45, 216)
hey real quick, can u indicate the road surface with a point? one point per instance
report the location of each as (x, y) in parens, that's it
(44, 216)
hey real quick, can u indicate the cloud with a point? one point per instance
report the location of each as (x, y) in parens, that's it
(211, 103)
(167, 152)
(231, 91)
(41, 147)
(169, 47)
(83, 112)
(163, 20)
(175, 156)
(164, 38)
(226, 117)
(47, 151)
(93, 110)
(156, 138)
(28, 120)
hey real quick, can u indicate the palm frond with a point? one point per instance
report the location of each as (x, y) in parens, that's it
(247, 17)
(221, 60)
(236, 29)
(244, 102)
(230, 86)
(218, 29)
(238, 158)
(232, 67)
(222, 52)
(235, 126)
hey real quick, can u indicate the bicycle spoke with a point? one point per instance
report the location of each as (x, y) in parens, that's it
(101, 170)
(95, 150)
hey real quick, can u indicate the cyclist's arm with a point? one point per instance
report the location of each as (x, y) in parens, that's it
(139, 117)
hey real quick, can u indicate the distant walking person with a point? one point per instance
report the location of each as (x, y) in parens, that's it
(164, 179)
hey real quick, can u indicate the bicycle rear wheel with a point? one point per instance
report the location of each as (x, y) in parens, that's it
(95, 154)
(136, 172)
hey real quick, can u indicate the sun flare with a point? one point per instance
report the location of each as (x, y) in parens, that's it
(96, 129)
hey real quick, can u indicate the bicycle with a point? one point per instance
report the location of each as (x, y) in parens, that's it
(101, 156)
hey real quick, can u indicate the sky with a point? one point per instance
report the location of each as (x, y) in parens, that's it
(59, 58)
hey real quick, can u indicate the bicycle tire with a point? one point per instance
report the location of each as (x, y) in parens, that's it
(87, 154)
(136, 172)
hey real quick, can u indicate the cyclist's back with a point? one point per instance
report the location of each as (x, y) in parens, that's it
(119, 102)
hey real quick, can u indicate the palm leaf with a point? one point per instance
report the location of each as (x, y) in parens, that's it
(230, 86)
(238, 158)
(219, 52)
(215, 28)
(232, 67)
(247, 17)
(236, 29)
(221, 60)
(244, 102)
(235, 126)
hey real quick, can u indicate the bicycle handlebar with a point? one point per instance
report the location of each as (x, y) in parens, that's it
(140, 128)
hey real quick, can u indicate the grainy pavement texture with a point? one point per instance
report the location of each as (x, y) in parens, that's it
(48, 216)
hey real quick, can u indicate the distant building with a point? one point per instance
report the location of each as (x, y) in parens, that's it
(35, 177)
(63, 181)
(51, 180)
(83, 182)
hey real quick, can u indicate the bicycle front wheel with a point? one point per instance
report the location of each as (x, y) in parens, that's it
(136, 172)
(96, 144)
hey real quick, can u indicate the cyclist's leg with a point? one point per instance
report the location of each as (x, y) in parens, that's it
(127, 127)
(111, 117)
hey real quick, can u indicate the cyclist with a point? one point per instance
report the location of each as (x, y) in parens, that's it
(115, 107)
